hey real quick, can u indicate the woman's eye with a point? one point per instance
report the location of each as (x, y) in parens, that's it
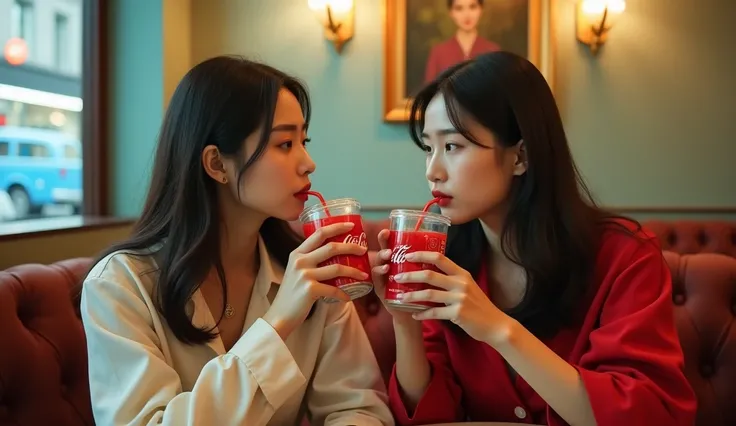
(427, 148)
(451, 146)
(286, 145)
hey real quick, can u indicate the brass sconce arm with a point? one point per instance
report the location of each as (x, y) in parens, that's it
(599, 32)
(334, 28)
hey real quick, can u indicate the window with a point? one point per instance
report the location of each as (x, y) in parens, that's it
(72, 152)
(61, 42)
(53, 109)
(22, 24)
(35, 150)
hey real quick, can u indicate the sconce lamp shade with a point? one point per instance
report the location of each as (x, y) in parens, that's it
(595, 18)
(337, 17)
(338, 6)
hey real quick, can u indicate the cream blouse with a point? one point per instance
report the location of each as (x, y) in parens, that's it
(141, 374)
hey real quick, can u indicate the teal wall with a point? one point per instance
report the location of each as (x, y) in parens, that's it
(356, 154)
(136, 95)
(648, 119)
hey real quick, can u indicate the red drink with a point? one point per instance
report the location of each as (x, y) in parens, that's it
(341, 210)
(403, 239)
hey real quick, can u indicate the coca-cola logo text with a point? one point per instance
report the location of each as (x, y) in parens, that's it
(361, 239)
(399, 253)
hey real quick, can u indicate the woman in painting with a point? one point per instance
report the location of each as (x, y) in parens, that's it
(465, 44)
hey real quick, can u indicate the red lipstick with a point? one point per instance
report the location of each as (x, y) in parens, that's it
(302, 194)
(444, 198)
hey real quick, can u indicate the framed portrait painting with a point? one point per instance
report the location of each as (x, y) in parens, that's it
(424, 37)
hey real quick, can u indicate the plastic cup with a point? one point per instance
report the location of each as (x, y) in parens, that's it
(404, 238)
(338, 211)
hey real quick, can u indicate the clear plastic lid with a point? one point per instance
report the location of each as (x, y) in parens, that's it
(415, 215)
(336, 207)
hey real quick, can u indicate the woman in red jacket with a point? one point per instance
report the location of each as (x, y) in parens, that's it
(553, 311)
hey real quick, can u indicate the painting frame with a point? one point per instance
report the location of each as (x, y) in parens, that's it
(396, 106)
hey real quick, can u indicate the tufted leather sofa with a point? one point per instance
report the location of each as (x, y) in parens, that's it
(43, 357)
(689, 236)
(704, 294)
(43, 354)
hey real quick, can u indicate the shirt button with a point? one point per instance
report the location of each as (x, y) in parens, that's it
(520, 412)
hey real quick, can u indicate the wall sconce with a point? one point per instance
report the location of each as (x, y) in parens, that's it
(337, 18)
(595, 18)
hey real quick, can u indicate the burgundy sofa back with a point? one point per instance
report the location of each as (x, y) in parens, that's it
(690, 236)
(43, 362)
(704, 294)
(43, 355)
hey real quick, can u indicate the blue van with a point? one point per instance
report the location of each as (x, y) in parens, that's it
(40, 167)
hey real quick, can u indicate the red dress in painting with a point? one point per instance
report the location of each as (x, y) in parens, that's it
(449, 53)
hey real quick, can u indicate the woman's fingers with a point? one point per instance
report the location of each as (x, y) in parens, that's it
(383, 239)
(329, 272)
(318, 238)
(330, 250)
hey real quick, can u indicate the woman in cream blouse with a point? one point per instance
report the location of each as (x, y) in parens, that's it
(210, 313)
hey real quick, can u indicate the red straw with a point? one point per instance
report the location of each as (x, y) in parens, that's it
(321, 200)
(426, 209)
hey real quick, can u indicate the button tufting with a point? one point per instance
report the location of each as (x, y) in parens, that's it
(678, 299)
(702, 238)
(520, 412)
(706, 370)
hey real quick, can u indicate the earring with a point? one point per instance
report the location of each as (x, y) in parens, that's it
(224, 180)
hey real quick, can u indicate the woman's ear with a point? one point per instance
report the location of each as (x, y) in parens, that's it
(213, 164)
(521, 163)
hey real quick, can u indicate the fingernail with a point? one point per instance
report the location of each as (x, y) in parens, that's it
(364, 275)
(398, 277)
(384, 268)
(415, 316)
(386, 253)
(409, 256)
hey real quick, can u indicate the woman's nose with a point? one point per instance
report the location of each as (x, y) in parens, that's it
(436, 171)
(307, 165)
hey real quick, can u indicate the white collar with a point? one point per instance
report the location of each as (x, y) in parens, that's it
(269, 273)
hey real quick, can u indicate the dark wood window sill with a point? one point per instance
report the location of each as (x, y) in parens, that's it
(57, 225)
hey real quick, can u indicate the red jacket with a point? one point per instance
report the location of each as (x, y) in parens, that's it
(626, 350)
(449, 53)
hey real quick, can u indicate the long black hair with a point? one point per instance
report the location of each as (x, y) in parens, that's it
(219, 102)
(552, 228)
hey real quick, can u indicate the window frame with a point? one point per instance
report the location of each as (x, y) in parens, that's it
(95, 74)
